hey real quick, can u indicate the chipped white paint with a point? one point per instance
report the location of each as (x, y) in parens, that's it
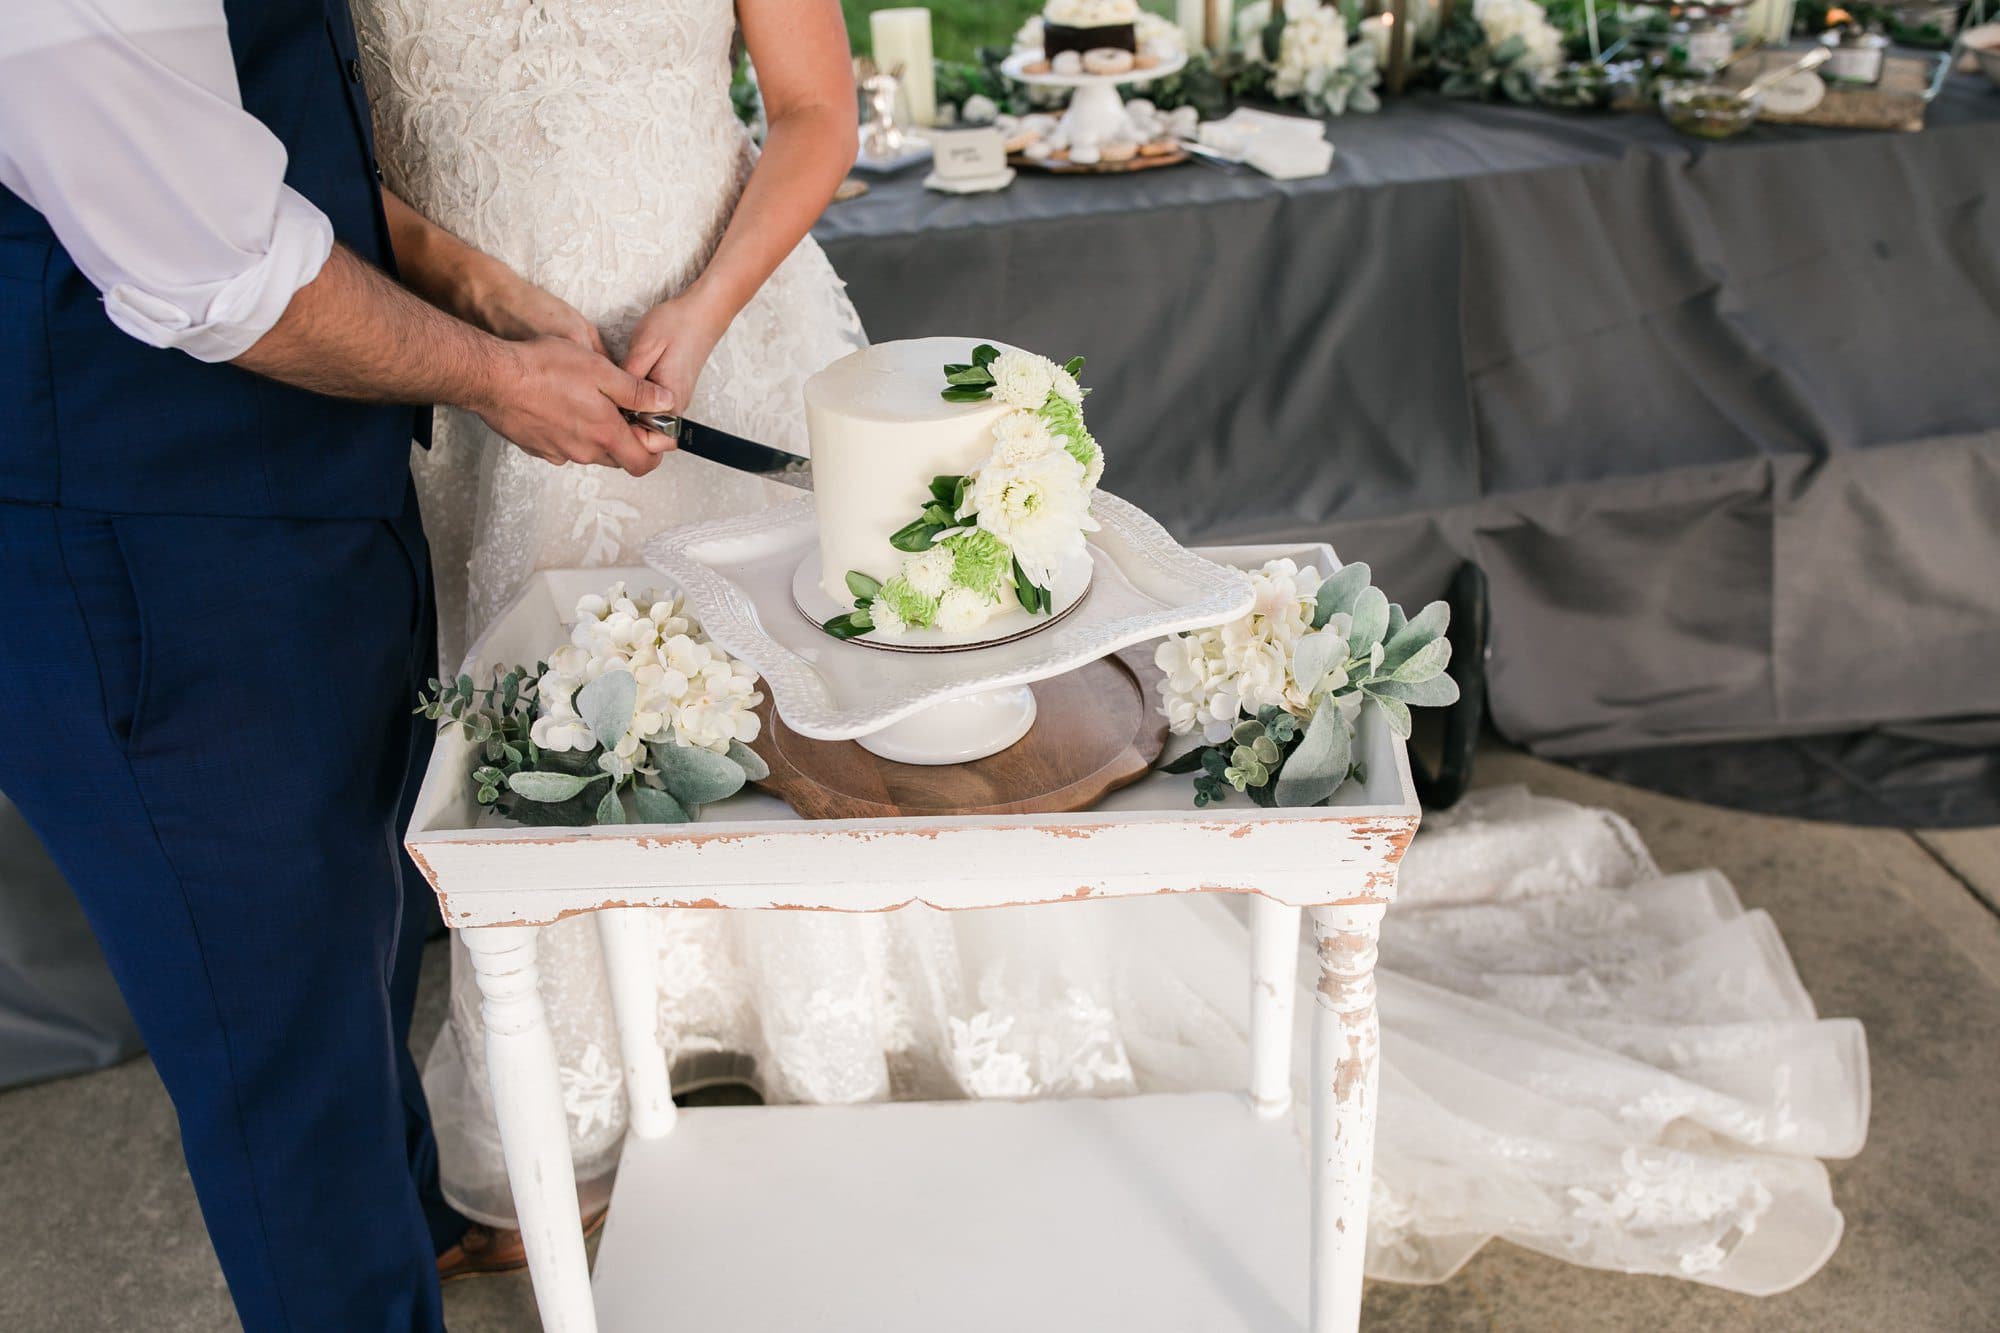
(1346, 1044)
(1274, 975)
(498, 884)
(534, 1131)
(631, 969)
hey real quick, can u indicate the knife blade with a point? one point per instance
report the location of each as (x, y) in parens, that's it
(732, 451)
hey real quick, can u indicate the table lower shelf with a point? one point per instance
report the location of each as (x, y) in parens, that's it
(1159, 1212)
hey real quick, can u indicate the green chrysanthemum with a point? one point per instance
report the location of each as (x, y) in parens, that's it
(980, 561)
(916, 610)
(1064, 419)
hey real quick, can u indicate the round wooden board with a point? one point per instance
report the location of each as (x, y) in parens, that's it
(1096, 729)
(1065, 168)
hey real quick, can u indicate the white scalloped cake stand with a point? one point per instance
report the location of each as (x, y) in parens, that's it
(1096, 111)
(930, 708)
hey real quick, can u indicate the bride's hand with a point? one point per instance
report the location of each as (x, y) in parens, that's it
(508, 306)
(671, 344)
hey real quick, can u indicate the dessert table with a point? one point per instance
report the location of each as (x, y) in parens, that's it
(1200, 1212)
(1597, 357)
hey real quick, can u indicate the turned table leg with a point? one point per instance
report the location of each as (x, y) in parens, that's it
(534, 1130)
(1345, 1078)
(629, 965)
(1274, 977)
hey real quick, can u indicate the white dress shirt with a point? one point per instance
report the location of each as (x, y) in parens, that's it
(121, 122)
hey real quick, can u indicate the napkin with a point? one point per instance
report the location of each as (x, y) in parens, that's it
(1285, 147)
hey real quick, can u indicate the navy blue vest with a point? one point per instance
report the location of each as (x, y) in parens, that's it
(91, 418)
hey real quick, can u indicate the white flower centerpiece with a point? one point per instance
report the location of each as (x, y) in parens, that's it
(1276, 693)
(639, 716)
(1298, 51)
(996, 536)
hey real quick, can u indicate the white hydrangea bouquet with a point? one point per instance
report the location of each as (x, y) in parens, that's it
(640, 716)
(1276, 693)
(997, 535)
(1298, 51)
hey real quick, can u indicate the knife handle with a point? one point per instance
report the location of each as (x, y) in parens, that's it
(666, 423)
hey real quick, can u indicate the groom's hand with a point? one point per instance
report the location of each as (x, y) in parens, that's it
(562, 406)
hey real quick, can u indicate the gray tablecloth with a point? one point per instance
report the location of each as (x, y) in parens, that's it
(1721, 422)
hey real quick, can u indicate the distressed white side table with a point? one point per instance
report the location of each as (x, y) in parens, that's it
(1161, 1211)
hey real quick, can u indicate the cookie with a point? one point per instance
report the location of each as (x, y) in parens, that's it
(1107, 60)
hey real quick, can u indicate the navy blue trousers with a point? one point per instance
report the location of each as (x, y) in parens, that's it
(208, 723)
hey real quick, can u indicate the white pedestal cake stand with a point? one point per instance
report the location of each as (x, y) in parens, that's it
(1096, 111)
(739, 577)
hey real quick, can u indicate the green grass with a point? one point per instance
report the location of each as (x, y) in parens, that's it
(958, 27)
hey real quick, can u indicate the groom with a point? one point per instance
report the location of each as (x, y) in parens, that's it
(215, 603)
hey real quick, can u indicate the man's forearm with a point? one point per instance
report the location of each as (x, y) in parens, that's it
(353, 332)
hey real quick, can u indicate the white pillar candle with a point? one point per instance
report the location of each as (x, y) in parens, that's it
(1193, 18)
(1376, 30)
(903, 37)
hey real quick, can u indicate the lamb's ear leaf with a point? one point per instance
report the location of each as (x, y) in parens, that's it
(656, 807)
(696, 776)
(1371, 621)
(1338, 593)
(1314, 657)
(1404, 641)
(607, 704)
(1395, 710)
(1437, 692)
(1424, 663)
(611, 810)
(548, 786)
(1315, 770)
(747, 759)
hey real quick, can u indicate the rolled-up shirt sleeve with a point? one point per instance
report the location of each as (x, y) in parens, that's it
(121, 122)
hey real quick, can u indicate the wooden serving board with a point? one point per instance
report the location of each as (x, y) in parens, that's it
(1096, 729)
(1068, 168)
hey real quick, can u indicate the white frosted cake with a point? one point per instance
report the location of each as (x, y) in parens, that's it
(952, 479)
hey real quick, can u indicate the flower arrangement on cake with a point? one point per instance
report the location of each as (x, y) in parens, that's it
(1276, 694)
(997, 534)
(639, 716)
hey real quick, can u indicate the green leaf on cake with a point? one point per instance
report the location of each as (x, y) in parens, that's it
(965, 393)
(970, 376)
(1074, 366)
(863, 587)
(944, 490)
(985, 355)
(916, 536)
(850, 625)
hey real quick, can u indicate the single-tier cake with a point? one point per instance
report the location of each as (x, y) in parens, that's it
(1090, 25)
(952, 479)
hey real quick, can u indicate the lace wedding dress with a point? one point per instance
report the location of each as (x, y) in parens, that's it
(1608, 1065)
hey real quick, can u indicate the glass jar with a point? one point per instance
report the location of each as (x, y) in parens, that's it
(1858, 56)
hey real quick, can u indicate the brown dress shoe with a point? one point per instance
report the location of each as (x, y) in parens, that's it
(484, 1250)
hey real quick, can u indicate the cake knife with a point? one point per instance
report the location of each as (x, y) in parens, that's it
(732, 451)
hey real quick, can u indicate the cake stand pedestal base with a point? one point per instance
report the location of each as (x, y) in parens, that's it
(957, 731)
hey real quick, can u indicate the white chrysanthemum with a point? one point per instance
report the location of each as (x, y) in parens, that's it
(929, 572)
(1022, 379)
(1020, 436)
(1040, 508)
(962, 610)
(1093, 469)
(887, 619)
(1065, 387)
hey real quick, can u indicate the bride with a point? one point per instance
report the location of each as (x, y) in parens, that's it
(1611, 1066)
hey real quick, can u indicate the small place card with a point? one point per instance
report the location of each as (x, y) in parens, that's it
(972, 154)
